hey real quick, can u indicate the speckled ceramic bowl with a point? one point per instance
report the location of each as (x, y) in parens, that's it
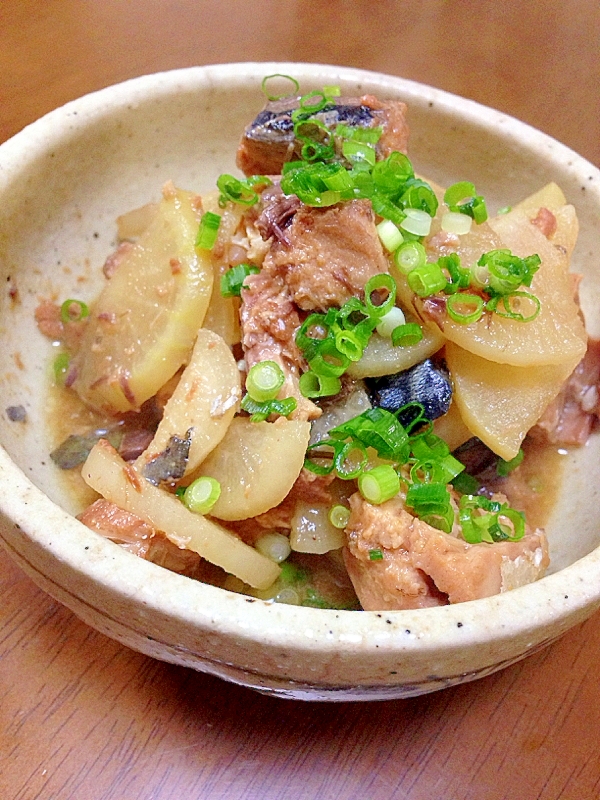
(63, 181)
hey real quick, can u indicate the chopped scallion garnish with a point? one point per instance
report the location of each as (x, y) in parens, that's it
(462, 198)
(390, 322)
(313, 385)
(504, 468)
(465, 308)
(390, 235)
(60, 367)
(202, 494)
(409, 256)
(259, 412)
(208, 230)
(427, 279)
(339, 516)
(407, 335)
(277, 77)
(379, 484)
(264, 380)
(73, 311)
(380, 295)
(244, 192)
(232, 281)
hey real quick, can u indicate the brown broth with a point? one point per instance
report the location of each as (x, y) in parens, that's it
(533, 487)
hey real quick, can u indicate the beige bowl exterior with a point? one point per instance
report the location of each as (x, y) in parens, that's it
(63, 182)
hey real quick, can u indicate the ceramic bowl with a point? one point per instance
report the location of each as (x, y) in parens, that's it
(63, 182)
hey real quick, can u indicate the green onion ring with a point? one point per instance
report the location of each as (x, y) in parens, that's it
(272, 97)
(463, 299)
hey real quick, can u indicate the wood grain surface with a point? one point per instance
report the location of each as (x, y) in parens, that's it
(84, 718)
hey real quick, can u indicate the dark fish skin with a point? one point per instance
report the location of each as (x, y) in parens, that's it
(277, 126)
(171, 463)
(268, 141)
(425, 383)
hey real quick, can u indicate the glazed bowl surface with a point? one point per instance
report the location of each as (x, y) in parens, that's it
(63, 182)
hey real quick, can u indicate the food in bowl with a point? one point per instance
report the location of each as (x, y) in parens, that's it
(311, 357)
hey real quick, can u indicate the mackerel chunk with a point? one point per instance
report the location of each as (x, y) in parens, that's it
(268, 142)
(418, 566)
(328, 254)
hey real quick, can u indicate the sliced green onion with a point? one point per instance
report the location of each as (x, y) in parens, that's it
(359, 152)
(516, 528)
(312, 130)
(390, 322)
(349, 344)
(312, 333)
(465, 308)
(429, 445)
(277, 76)
(376, 555)
(390, 235)
(350, 460)
(391, 173)
(317, 151)
(457, 223)
(321, 462)
(409, 256)
(416, 221)
(274, 545)
(465, 483)
(313, 102)
(327, 361)
(292, 166)
(460, 277)
(421, 494)
(367, 135)
(479, 210)
(201, 495)
(331, 91)
(504, 468)
(352, 315)
(414, 412)
(264, 380)
(339, 516)
(407, 335)
(419, 195)
(379, 484)
(339, 181)
(484, 520)
(509, 312)
(382, 205)
(442, 519)
(261, 411)
(480, 276)
(60, 367)
(236, 191)
(232, 281)
(73, 311)
(313, 385)
(208, 231)
(427, 279)
(507, 271)
(379, 429)
(382, 281)
(307, 182)
(462, 198)
(427, 495)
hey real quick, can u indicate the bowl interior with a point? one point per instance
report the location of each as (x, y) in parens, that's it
(64, 181)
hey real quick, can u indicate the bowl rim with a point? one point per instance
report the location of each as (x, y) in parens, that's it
(520, 611)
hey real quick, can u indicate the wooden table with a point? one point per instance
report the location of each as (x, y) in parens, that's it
(83, 717)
